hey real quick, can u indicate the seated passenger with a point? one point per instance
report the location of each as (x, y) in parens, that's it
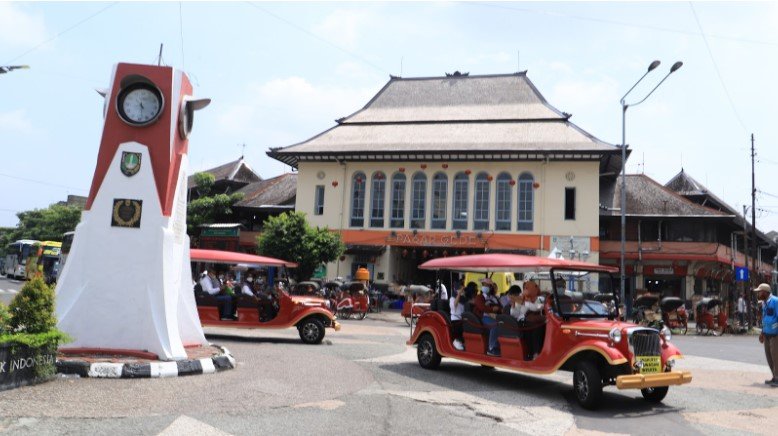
(486, 306)
(457, 304)
(530, 315)
(246, 289)
(207, 283)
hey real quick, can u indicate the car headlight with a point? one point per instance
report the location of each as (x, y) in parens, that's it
(666, 333)
(615, 335)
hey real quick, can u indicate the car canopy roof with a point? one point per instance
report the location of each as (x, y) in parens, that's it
(232, 258)
(493, 262)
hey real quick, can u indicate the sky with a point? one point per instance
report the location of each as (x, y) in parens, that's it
(279, 73)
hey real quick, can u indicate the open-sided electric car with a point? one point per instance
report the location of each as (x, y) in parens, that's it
(273, 310)
(578, 334)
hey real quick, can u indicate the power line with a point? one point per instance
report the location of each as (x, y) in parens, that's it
(63, 32)
(41, 182)
(312, 35)
(716, 67)
(620, 23)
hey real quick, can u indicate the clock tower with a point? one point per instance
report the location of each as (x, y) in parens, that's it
(127, 283)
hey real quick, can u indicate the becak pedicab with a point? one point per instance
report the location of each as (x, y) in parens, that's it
(598, 348)
(710, 317)
(308, 314)
(417, 301)
(610, 303)
(674, 314)
(307, 288)
(646, 310)
(355, 298)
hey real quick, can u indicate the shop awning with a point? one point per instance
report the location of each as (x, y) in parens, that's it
(233, 258)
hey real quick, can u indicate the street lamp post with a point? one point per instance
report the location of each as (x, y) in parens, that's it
(9, 68)
(623, 205)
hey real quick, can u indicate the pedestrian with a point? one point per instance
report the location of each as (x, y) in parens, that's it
(769, 335)
(741, 310)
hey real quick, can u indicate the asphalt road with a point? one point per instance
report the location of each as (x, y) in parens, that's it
(8, 289)
(364, 379)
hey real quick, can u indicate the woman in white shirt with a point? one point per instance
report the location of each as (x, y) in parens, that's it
(457, 305)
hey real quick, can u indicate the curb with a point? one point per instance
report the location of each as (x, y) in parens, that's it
(159, 369)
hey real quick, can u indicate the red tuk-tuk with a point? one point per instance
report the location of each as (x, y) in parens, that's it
(578, 334)
(309, 314)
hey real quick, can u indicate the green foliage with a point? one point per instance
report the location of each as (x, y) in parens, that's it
(32, 309)
(208, 208)
(5, 320)
(288, 236)
(49, 339)
(45, 224)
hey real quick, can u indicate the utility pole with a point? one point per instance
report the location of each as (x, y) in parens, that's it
(747, 284)
(753, 229)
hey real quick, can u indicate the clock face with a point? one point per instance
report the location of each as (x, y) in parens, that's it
(140, 104)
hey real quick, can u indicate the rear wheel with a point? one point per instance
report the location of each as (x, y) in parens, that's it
(587, 384)
(655, 395)
(362, 315)
(428, 355)
(311, 331)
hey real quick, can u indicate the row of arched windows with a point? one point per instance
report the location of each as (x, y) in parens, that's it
(439, 205)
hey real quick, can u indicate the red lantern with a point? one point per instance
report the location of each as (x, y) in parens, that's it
(372, 259)
(359, 179)
(468, 172)
(334, 183)
(425, 254)
(512, 182)
(424, 166)
(445, 253)
(536, 185)
(445, 166)
(405, 253)
(402, 169)
(489, 178)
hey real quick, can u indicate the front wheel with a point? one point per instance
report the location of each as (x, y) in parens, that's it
(428, 355)
(311, 331)
(655, 395)
(587, 384)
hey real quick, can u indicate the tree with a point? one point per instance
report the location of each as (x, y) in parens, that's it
(209, 208)
(42, 224)
(289, 236)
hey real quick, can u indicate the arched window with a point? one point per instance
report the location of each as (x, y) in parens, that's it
(358, 183)
(439, 200)
(398, 201)
(418, 201)
(459, 217)
(526, 201)
(377, 199)
(503, 206)
(481, 202)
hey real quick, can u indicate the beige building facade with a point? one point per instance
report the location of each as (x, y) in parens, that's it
(452, 165)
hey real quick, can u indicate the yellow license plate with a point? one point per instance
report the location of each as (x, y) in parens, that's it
(651, 364)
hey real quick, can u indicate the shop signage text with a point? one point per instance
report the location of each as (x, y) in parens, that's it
(442, 240)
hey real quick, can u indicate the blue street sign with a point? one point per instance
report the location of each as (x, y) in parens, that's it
(741, 274)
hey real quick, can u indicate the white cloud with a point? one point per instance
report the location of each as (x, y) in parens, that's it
(19, 28)
(290, 108)
(344, 27)
(15, 121)
(582, 94)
